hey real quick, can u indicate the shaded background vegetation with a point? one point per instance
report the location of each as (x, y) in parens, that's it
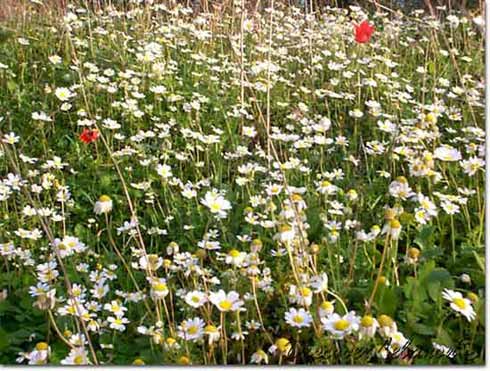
(10, 8)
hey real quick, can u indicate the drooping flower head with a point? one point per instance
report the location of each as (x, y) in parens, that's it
(103, 205)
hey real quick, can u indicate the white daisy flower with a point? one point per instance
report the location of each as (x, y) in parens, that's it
(367, 327)
(195, 298)
(191, 329)
(235, 257)
(447, 153)
(249, 131)
(387, 326)
(77, 356)
(116, 308)
(63, 94)
(341, 326)
(159, 288)
(117, 323)
(213, 333)
(326, 308)
(151, 262)
(459, 304)
(259, 357)
(226, 302)
(301, 296)
(103, 205)
(164, 171)
(298, 318)
(216, 203)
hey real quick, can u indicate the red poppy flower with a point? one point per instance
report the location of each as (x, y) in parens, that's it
(363, 32)
(89, 135)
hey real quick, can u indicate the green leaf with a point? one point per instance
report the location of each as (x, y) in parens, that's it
(438, 274)
(443, 338)
(425, 270)
(4, 339)
(388, 301)
(421, 329)
(425, 239)
(11, 86)
(436, 280)
(434, 290)
(479, 261)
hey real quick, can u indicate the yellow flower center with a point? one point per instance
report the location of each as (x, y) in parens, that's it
(225, 305)
(296, 197)
(78, 360)
(395, 224)
(138, 362)
(397, 338)
(234, 253)
(298, 318)
(104, 198)
(192, 330)
(367, 321)
(152, 259)
(385, 321)
(305, 291)
(431, 118)
(160, 287)
(460, 303)
(283, 344)
(215, 206)
(42, 346)
(326, 305)
(390, 214)
(210, 329)
(413, 252)
(341, 324)
(473, 297)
